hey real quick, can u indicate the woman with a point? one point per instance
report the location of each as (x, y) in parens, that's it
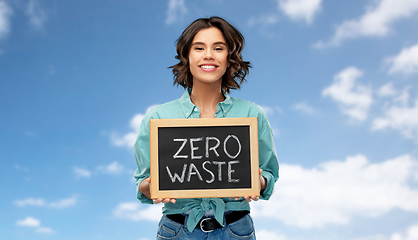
(210, 64)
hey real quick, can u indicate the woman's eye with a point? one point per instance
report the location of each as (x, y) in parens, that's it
(219, 49)
(199, 48)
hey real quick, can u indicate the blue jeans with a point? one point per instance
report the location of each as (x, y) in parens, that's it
(240, 229)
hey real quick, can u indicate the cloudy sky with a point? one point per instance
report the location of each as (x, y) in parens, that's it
(337, 79)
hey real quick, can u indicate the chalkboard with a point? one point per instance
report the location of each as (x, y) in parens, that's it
(204, 157)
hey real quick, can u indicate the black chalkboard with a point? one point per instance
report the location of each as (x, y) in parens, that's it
(204, 157)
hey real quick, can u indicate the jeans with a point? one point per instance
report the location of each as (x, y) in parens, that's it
(240, 229)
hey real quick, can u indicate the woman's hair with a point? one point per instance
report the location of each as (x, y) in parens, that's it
(238, 68)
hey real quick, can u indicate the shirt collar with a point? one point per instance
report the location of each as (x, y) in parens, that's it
(188, 107)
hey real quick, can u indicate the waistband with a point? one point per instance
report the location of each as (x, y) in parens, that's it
(208, 224)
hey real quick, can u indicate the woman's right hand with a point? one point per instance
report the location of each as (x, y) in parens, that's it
(145, 188)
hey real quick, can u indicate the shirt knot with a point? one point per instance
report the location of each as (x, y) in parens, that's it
(206, 204)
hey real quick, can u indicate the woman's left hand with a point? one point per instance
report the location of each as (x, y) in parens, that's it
(263, 185)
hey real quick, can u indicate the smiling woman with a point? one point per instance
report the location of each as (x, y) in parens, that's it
(226, 38)
(210, 64)
(208, 57)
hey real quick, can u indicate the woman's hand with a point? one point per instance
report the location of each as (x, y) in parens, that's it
(164, 200)
(145, 188)
(263, 185)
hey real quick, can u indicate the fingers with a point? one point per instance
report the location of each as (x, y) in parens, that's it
(164, 200)
(172, 200)
(161, 200)
(252, 198)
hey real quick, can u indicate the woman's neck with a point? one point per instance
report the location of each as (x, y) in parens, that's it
(206, 97)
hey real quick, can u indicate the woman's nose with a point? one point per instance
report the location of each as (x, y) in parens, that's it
(208, 55)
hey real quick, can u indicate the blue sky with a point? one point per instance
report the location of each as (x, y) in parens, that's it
(337, 79)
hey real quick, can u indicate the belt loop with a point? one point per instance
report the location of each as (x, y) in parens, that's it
(186, 218)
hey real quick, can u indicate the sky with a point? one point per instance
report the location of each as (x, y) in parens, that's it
(337, 80)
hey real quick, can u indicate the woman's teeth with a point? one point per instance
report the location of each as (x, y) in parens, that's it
(208, 66)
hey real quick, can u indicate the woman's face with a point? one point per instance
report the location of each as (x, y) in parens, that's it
(208, 56)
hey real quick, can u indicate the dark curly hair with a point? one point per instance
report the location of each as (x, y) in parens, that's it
(238, 68)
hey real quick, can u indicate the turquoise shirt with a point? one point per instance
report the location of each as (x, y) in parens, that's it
(229, 108)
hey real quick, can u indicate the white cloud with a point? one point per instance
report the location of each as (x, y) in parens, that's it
(51, 69)
(336, 191)
(387, 90)
(300, 9)
(375, 22)
(30, 133)
(271, 110)
(128, 140)
(39, 202)
(409, 234)
(33, 222)
(5, 14)
(135, 211)
(37, 16)
(81, 172)
(18, 167)
(403, 97)
(400, 116)
(29, 222)
(354, 99)
(176, 9)
(270, 235)
(30, 202)
(63, 203)
(267, 110)
(45, 230)
(263, 20)
(405, 62)
(303, 107)
(113, 168)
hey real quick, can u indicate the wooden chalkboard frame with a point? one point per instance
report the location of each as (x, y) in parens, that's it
(155, 124)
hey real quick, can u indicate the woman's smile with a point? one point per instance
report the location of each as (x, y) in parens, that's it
(208, 67)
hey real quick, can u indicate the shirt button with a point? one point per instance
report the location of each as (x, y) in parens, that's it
(196, 110)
